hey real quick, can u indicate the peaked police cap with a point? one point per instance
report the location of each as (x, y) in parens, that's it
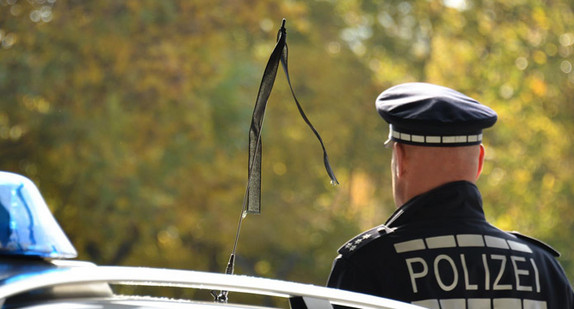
(430, 115)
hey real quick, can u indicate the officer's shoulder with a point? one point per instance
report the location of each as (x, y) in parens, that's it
(363, 239)
(536, 242)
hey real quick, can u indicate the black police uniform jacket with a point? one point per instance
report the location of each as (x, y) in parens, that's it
(439, 251)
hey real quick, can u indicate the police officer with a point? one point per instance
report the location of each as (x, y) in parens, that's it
(437, 250)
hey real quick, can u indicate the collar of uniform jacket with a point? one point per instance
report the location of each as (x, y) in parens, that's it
(455, 201)
(460, 199)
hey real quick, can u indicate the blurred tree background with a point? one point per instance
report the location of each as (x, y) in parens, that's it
(133, 116)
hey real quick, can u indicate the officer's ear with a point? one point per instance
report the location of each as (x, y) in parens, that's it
(400, 158)
(480, 161)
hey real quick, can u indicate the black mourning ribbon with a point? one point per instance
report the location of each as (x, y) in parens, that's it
(279, 54)
(252, 196)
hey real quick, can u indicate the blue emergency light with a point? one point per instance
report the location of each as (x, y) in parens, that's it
(27, 227)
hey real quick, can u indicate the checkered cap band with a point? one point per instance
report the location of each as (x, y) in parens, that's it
(433, 140)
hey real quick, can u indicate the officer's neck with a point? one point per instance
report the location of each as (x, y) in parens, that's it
(421, 169)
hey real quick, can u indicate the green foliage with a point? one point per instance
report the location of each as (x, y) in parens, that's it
(133, 118)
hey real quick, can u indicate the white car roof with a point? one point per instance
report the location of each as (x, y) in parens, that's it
(313, 297)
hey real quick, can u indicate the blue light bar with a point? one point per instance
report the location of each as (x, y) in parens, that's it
(27, 226)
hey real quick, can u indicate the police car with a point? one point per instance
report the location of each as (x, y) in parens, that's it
(37, 269)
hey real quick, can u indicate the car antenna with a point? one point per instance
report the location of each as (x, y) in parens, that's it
(252, 197)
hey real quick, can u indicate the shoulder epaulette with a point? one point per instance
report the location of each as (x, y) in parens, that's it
(364, 238)
(537, 242)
